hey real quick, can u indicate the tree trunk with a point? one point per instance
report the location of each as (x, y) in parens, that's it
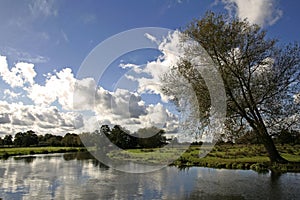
(268, 143)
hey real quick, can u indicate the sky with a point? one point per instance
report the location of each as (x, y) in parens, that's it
(62, 68)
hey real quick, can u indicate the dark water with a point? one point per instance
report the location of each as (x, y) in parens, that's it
(72, 176)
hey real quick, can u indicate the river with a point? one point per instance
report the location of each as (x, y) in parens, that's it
(73, 176)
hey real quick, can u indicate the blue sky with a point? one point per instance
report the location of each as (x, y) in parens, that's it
(57, 36)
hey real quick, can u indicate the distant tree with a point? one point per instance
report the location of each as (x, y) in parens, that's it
(54, 141)
(18, 140)
(150, 137)
(286, 136)
(261, 78)
(248, 138)
(26, 139)
(71, 140)
(7, 140)
(1, 141)
(105, 129)
(122, 137)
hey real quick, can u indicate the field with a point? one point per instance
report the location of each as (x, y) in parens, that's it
(6, 152)
(221, 156)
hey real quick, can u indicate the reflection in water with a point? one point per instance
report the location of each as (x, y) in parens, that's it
(79, 176)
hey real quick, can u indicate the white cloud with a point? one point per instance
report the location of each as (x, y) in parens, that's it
(261, 12)
(119, 107)
(20, 55)
(151, 37)
(149, 76)
(16, 117)
(43, 7)
(23, 73)
(73, 95)
(59, 86)
(8, 94)
(134, 67)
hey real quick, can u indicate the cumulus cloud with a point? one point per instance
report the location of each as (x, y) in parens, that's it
(4, 118)
(59, 86)
(261, 12)
(112, 107)
(16, 117)
(8, 94)
(149, 77)
(23, 73)
(76, 96)
(129, 110)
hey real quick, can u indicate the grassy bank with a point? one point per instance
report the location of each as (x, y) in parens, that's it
(221, 156)
(6, 152)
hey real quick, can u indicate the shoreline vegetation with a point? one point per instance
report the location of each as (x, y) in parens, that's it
(226, 156)
(6, 152)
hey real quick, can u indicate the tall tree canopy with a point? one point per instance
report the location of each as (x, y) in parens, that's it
(261, 78)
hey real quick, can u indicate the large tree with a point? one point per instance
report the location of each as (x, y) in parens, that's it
(261, 78)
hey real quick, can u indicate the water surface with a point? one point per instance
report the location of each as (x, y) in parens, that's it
(73, 176)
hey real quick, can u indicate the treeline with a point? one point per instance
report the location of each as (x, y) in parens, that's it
(30, 138)
(151, 137)
(285, 136)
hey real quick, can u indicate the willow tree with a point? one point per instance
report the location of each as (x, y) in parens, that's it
(261, 77)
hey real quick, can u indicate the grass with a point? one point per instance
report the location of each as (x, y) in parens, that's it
(221, 156)
(6, 152)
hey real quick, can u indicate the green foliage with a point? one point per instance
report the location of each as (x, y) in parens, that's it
(71, 140)
(150, 137)
(50, 140)
(26, 139)
(223, 156)
(30, 138)
(7, 140)
(6, 152)
(144, 138)
(260, 77)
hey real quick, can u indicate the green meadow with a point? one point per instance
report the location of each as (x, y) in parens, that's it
(6, 152)
(220, 156)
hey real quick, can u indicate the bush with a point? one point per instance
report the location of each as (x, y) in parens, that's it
(259, 167)
(240, 166)
(221, 165)
(234, 166)
(229, 166)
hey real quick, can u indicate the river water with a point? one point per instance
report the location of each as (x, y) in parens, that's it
(72, 176)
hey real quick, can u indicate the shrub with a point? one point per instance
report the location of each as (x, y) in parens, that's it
(234, 166)
(240, 166)
(228, 166)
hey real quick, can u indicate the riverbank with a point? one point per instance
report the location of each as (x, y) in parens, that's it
(226, 156)
(16, 151)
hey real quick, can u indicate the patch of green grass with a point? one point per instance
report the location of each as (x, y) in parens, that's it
(6, 152)
(222, 156)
